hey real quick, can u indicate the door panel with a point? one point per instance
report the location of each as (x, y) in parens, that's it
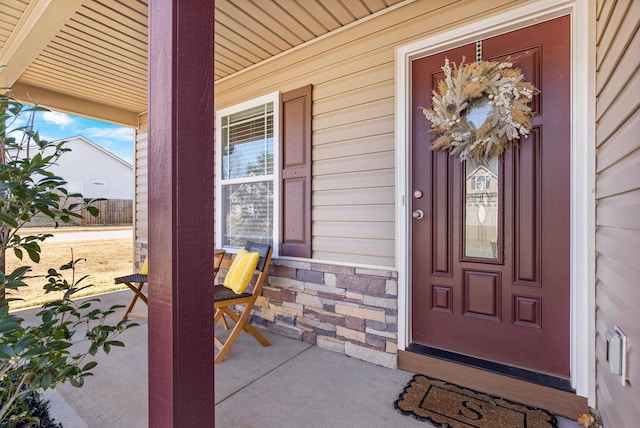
(490, 256)
(432, 241)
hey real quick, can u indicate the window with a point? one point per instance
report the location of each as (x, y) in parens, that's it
(74, 187)
(482, 205)
(248, 172)
(264, 173)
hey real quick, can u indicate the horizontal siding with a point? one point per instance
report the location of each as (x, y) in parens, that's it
(355, 147)
(370, 213)
(373, 110)
(354, 131)
(141, 184)
(626, 143)
(618, 78)
(608, 94)
(622, 177)
(623, 247)
(357, 181)
(610, 297)
(357, 229)
(621, 211)
(625, 17)
(365, 162)
(340, 198)
(353, 126)
(329, 94)
(618, 113)
(362, 98)
(357, 251)
(618, 204)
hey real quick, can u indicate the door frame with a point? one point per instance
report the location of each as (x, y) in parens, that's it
(582, 258)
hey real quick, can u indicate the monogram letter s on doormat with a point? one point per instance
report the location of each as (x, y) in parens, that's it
(449, 405)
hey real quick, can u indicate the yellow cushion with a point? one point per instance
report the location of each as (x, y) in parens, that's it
(241, 270)
(144, 270)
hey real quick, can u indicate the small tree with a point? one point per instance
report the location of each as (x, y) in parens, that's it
(35, 358)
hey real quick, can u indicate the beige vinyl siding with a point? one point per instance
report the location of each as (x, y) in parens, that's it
(141, 180)
(618, 203)
(353, 78)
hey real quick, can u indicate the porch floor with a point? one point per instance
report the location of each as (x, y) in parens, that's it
(289, 383)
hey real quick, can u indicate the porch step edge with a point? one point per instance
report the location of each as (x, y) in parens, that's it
(563, 403)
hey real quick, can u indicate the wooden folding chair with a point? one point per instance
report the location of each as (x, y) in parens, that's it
(225, 299)
(218, 256)
(137, 281)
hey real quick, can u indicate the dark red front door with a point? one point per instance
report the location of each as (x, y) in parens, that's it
(490, 256)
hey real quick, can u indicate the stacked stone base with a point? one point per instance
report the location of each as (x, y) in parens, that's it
(348, 310)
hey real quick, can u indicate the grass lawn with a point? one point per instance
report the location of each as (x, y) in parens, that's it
(105, 260)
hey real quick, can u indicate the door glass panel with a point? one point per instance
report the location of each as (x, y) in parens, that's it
(477, 113)
(481, 209)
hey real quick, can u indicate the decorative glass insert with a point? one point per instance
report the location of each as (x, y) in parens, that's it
(247, 175)
(481, 209)
(477, 113)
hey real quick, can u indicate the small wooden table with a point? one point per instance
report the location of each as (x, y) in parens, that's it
(136, 281)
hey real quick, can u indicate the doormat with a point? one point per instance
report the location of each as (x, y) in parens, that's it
(451, 406)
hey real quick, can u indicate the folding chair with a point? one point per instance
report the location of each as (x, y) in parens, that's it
(225, 299)
(139, 279)
(136, 281)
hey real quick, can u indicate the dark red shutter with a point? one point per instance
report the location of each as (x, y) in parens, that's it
(295, 126)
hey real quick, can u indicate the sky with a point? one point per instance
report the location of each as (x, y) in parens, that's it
(56, 126)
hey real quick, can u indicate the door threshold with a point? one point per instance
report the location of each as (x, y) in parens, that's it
(560, 402)
(543, 379)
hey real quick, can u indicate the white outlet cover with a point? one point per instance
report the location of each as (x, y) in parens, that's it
(623, 378)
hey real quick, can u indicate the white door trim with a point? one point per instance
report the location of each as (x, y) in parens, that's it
(582, 165)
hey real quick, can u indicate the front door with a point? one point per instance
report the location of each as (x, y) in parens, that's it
(491, 253)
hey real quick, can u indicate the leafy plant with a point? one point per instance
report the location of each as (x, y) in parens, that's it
(27, 186)
(36, 357)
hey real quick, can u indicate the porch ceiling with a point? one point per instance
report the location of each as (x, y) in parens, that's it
(89, 57)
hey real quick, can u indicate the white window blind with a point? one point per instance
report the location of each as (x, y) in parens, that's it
(247, 175)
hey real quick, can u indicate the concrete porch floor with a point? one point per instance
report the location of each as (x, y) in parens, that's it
(289, 384)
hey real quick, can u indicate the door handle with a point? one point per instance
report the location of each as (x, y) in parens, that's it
(417, 214)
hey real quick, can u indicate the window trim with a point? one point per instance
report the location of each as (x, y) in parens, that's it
(273, 97)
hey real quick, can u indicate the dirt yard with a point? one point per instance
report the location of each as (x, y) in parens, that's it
(105, 260)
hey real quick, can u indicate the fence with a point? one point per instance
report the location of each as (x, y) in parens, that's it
(112, 212)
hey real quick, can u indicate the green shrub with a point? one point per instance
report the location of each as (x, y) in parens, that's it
(37, 357)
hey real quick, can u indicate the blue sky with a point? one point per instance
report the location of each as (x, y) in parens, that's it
(116, 139)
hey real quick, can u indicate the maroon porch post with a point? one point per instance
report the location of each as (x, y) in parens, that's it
(181, 233)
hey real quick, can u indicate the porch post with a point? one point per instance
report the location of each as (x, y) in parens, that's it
(181, 232)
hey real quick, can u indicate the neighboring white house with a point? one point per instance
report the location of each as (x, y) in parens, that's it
(93, 171)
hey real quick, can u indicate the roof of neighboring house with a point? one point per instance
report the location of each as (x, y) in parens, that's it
(96, 146)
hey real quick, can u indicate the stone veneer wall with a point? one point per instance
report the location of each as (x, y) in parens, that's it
(348, 310)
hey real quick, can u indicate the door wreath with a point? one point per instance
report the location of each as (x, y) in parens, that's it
(495, 85)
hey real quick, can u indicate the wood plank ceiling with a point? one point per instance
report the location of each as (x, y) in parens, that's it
(92, 53)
